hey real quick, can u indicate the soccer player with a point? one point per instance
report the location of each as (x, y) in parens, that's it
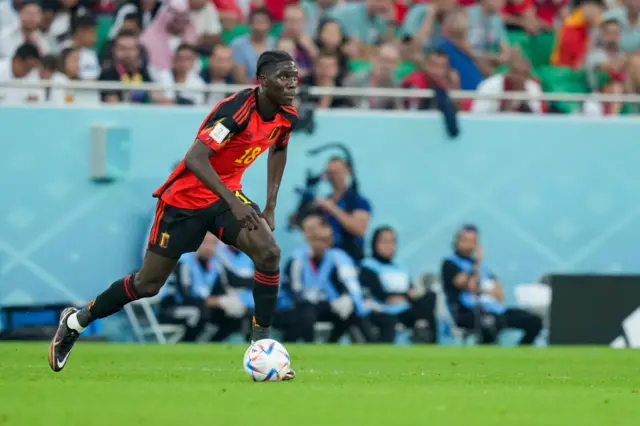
(204, 193)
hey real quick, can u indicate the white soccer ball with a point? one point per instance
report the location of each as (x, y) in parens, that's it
(266, 360)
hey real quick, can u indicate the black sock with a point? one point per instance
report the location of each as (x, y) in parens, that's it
(109, 302)
(265, 295)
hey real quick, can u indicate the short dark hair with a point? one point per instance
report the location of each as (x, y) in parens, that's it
(27, 51)
(49, 62)
(259, 11)
(185, 46)
(596, 2)
(271, 58)
(83, 22)
(218, 46)
(610, 21)
(126, 33)
(317, 214)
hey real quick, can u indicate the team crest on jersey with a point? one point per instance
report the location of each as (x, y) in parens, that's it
(274, 133)
(164, 240)
(219, 132)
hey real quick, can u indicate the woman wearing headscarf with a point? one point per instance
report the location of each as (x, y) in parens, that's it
(171, 27)
(391, 295)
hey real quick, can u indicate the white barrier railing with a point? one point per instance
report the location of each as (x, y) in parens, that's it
(322, 91)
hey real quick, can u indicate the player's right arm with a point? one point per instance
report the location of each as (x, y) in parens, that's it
(229, 117)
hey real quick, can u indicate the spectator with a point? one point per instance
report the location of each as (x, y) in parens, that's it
(171, 27)
(487, 35)
(49, 10)
(70, 61)
(238, 266)
(218, 71)
(346, 211)
(463, 275)
(26, 30)
(382, 75)
(23, 66)
(316, 12)
(332, 40)
(424, 23)
(294, 28)
(140, 11)
(574, 38)
(326, 73)
(435, 72)
(367, 22)
(84, 38)
(207, 23)
(459, 51)
(130, 24)
(181, 73)
(324, 285)
(393, 298)
(127, 68)
(606, 67)
(49, 72)
(62, 24)
(628, 16)
(517, 79)
(247, 49)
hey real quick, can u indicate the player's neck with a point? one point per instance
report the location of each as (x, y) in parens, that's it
(264, 106)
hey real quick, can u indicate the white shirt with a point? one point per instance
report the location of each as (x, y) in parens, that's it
(8, 15)
(18, 96)
(207, 20)
(59, 31)
(165, 77)
(12, 38)
(495, 85)
(71, 96)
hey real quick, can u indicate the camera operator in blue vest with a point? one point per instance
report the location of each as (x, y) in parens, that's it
(346, 211)
(323, 284)
(391, 296)
(198, 292)
(474, 293)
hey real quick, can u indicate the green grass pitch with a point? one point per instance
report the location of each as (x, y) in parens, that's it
(115, 385)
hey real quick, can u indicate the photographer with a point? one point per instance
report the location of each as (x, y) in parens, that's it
(346, 211)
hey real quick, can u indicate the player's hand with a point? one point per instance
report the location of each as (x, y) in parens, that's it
(270, 216)
(245, 214)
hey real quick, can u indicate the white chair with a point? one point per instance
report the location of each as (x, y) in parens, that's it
(145, 324)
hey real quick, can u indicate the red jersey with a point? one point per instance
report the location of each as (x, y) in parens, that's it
(238, 134)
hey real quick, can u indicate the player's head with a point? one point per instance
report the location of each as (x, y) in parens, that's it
(466, 240)
(208, 246)
(383, 243)
(338, 172)
(278, 75)
(25, 59)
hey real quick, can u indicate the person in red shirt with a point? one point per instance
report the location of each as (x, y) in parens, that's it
(575, 35)
(204, 194)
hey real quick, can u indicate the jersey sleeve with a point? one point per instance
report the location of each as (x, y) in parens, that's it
(226, 119)
(291, 115)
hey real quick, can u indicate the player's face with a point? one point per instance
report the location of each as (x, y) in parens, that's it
(386, 244)
(282, 84)
(467, 242)
(208, 246)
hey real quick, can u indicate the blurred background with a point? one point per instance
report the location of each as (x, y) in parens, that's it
(437, 140)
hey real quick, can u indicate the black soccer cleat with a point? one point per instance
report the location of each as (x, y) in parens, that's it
(289, 375)
(62, 342)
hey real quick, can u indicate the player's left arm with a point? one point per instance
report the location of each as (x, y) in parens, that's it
(275, 169)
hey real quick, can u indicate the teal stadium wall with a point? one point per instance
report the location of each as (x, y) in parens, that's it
(549, 194)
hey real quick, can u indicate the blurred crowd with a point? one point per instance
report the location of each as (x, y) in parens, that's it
(492, 46)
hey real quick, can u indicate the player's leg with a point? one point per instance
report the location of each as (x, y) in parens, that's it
(161, 258)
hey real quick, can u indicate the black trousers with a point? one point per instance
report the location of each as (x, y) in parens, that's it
(513, 318)
(301, 320)
(421, 309)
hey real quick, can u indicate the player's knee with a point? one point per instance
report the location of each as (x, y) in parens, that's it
(268, 256)
(146, 287)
